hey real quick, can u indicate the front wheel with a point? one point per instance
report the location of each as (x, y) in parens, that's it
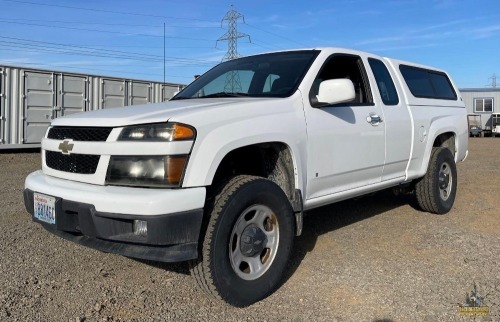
(248, 241)
(436, 191)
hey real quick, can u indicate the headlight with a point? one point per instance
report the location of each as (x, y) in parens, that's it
(146, 171)
(157, 132)
(150, 171)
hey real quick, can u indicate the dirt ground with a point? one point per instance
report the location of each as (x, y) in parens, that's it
(375, 258)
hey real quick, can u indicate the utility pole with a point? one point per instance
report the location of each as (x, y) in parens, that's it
(163, 56)
(232, 35)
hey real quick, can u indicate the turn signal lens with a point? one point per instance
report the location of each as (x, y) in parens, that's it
(174, 166)
(182, 132)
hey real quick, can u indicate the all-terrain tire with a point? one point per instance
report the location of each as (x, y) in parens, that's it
(436, 191)
(247, 243)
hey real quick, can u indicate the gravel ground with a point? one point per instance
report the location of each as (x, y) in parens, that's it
(371, 259)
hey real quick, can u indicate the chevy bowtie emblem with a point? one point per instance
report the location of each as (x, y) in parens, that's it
(66, 146)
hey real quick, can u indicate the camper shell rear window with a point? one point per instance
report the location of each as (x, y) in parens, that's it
(426, 83)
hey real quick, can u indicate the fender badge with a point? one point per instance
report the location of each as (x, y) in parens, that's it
(66, 146)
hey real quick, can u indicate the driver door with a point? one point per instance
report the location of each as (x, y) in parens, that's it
(346, 142)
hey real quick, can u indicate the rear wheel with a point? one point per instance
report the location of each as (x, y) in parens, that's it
(436, 191)
(248, 241)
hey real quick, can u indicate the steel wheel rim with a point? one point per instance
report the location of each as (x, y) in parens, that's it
(248, 232)
(445, 181)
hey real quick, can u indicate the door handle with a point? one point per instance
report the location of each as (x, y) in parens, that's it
(374, 119)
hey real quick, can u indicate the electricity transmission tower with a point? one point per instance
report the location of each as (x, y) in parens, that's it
(232, 35)
(493, 79)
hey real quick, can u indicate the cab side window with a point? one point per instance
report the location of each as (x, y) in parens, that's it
(385, 84)
(344, 66)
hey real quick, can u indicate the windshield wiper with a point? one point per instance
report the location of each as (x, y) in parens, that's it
(223, 94)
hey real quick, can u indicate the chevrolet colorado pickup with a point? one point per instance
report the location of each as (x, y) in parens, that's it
(221, 174)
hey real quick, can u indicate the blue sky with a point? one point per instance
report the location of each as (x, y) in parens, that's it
(125, 38)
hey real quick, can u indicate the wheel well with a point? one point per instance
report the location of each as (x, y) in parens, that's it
(268, 160)
(446, 140)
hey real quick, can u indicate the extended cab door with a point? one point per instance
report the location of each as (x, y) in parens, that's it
(346, 142)
(397, 119)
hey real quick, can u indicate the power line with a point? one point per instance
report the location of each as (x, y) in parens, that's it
(54, 46)
(31, 48)
(276, 35)
(86, 68)
(104, 23)
(257, 43)
(89, 51)
(26, 45)
(28, 41)
(134, 14)
(28, 22)
(101, 31)
(96, 46)
(106, 11)
(78, 22)
(20, 48)
(18, 21)
(265, 45)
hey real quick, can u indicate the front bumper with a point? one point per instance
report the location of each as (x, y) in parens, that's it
(171, 236)
(121, 200)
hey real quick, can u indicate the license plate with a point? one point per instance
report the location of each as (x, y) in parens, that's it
(45, 208)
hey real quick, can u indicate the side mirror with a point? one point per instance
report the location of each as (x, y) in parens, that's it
(335, 91)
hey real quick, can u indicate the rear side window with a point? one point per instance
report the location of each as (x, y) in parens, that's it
(384, 81)
(427, 83)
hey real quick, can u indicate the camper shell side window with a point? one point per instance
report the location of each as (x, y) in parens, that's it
(426, 83)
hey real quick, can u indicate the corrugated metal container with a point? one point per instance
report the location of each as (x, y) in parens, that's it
(30, 98)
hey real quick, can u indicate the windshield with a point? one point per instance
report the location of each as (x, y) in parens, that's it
(267, 75)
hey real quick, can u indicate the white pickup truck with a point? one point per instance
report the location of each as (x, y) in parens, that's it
(221, 174)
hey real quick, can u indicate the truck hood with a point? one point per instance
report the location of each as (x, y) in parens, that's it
(159, 112)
